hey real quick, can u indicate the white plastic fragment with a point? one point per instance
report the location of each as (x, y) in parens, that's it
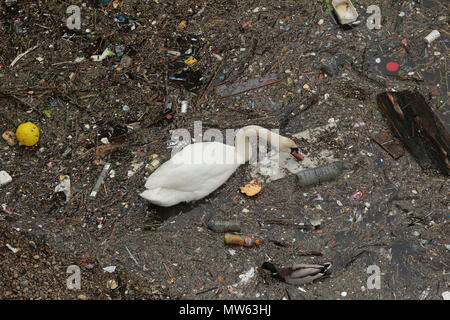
(102, 56)
(134, 168)
(4, 178)
(433, 35)
(345, 11)
(446, 295)
(245, 277)
(64, 186)
(174, 53)
(109, 269)
(424, 294)
(184, 106)
(15, 250)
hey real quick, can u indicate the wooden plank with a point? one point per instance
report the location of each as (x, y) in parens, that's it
(419, 128)
(386, 141)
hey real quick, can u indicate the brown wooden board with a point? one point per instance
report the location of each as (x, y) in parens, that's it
(389, 144)
(418, 127)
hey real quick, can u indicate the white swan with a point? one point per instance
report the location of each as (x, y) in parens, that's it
(200, 168)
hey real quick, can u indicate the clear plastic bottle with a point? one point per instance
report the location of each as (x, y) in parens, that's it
(320, 174)
(224, 226)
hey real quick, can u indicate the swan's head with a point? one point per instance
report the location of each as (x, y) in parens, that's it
(288, 145)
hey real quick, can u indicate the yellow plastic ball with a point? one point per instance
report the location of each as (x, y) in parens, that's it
(27, 134)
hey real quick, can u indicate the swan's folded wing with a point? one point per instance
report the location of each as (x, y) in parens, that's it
(186, 172)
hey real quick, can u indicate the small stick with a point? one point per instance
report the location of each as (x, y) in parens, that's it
(212, 80)
(111, 234)
(168, 272)
(22, 55)
(207, 290)
(132, 257)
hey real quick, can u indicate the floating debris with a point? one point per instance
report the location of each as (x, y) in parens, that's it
(234, 89)
(100, 179)
(224, 226)
(386, 141)
(252, 188)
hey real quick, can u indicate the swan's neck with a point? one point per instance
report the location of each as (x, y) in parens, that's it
(246, 134)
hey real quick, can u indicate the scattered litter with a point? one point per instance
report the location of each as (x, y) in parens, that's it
(433, 35)
(252, 188)
(20, 56)
(111, 284)
(154, 164)
(245, 241)
(14, 250)
(134, 168)
(64, 186)
(357, 196)
(386, 141)
(184, 106)
(345, 11)
(320, 174)
(424, 294)
(174, 53)
(119, 50)
(245, 277)
(27, 134)
(126, 61)
(109, 269)
(190, 61)
(106, 53)
(100, 179)
(315, 222)
(234, 89)
(10, 138)
(4, 178)
(224, 226)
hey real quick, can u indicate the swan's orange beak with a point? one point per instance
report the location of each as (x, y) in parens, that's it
(296, 154)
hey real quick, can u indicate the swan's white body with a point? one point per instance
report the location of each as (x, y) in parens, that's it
(200, 168)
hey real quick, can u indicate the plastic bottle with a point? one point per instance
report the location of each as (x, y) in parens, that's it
(320, 174)
(154, 164)
(224, 226)
(245, 241)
